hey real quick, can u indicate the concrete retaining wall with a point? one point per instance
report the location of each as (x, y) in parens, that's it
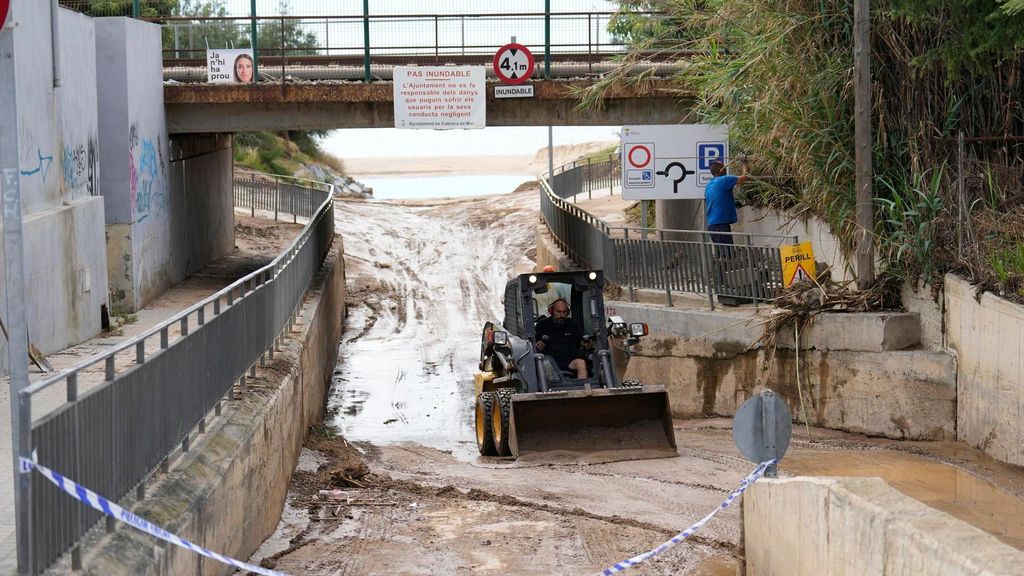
(201, 203)
(813, 526)
(988, 337)
(134, 159)
(228, 492)
(826, 246)
(896, 394)
(64, 259)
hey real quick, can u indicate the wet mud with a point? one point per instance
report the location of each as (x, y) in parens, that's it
(393, 484)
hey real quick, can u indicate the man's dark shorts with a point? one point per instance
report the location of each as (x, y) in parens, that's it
(720, 238)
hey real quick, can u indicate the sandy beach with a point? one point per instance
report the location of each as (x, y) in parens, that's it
(485, 164)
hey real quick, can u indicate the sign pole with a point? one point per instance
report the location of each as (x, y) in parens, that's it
(17, 343)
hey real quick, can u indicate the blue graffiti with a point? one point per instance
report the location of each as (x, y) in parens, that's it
(150, 195)
(40, 167)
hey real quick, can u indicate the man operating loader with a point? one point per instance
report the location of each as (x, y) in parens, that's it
(559, 338)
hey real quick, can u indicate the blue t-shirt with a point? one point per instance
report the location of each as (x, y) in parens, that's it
(719, 204)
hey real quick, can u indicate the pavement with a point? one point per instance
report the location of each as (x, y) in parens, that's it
(257, 242)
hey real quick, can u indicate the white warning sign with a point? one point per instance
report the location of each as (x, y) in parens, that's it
(440, 97)
(665, 162)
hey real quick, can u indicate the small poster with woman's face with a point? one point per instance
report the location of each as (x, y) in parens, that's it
(230, 66)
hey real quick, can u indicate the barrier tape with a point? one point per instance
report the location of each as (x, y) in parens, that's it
(109, 508)
(744, 484)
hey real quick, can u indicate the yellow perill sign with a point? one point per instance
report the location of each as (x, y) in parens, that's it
(797, 262)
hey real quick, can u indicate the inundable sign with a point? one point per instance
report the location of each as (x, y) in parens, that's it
(513, 63)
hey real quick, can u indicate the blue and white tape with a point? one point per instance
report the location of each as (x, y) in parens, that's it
(109, 508)
(744, 484)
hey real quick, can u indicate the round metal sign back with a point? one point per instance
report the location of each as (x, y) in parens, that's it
(513, 63)
(762, 428)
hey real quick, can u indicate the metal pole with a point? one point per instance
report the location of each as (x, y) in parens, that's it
(547, 39)
(551, 156)
(366, 40)
(253, 41)
(17, 344)
(960, 194)
(862, 137)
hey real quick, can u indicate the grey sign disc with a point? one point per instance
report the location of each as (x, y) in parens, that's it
(762, 427)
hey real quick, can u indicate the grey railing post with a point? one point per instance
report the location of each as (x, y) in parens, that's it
(253, 42)
(277, 200)
(754, 276)
(704, 256)
(366, 40)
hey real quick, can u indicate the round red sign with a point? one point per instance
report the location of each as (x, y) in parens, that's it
(513, 63)
(5, 6)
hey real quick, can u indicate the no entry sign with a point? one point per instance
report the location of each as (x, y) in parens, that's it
(513, 63)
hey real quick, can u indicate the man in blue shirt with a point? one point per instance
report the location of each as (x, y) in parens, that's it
(719, 203)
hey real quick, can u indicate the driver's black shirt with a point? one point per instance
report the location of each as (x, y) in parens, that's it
(563, 343)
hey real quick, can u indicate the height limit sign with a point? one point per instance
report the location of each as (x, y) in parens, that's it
(513, 63)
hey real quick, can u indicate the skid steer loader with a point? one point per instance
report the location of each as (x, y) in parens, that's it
(526, 406)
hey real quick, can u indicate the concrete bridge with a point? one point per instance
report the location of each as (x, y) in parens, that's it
(208, 108)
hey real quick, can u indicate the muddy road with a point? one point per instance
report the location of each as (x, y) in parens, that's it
(402, 490)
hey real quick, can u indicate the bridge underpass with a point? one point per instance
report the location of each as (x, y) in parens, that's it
(206, 108)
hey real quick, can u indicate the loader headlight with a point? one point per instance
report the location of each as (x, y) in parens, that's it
(638, 329)
(500, 338)
(532, 279)
(592, 276)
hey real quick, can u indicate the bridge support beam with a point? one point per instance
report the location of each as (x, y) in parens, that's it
(209, 108)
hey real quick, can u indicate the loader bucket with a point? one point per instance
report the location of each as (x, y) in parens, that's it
(591, 426)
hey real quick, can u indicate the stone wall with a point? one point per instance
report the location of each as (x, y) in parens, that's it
(813, 526)
(988, 338)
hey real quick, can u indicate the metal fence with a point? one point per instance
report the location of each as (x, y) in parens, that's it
(116, 433)
(748, 270)
(355, 40)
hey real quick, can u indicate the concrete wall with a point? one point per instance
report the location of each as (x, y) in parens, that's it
(988, 338)
(826, 245)
(134, 160)
(853, 526)
(896, 394)
(228, 492)
(201, 205)
(65, 262)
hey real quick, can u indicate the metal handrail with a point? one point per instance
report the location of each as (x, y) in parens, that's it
(742, 271)
(165, 325)
(95, 437)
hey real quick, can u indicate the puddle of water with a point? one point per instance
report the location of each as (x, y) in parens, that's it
(952, 490)
(715, 566)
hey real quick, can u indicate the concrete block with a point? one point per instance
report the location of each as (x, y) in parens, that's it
(988, 338)
(869, 332)
(902, 394)
(861, 526)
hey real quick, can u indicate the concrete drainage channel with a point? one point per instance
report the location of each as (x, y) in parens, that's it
(227, 492)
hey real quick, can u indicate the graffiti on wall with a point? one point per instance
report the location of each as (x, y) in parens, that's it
(147, 176)
(80, 168)
(42, 166)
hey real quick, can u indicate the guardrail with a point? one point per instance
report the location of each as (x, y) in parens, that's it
(116, 433)
(748, 270)
(353, 40)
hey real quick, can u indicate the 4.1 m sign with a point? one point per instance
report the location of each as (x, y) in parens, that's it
(669, 162)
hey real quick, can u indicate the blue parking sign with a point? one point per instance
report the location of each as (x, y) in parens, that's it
(708, 151)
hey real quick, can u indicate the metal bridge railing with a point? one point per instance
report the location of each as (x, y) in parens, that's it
(112, 435)
(750, 269)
